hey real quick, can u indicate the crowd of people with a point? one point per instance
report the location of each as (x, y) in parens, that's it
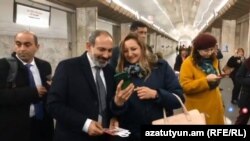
(85, 100)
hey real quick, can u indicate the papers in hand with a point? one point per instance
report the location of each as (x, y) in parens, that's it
(117, 132)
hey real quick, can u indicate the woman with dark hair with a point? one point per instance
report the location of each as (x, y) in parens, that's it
(155, 83)
(180, 58)
(243, 77)
(199, 78)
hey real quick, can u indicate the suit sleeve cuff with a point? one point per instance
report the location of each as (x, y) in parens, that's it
(86, 125)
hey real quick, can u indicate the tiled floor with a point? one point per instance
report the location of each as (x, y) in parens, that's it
(231, 111)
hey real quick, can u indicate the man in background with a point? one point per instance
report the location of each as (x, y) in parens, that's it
(22, 102)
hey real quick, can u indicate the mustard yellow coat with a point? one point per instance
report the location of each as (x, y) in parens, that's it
(197, 92)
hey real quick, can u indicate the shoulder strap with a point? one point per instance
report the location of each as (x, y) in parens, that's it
(13, 69)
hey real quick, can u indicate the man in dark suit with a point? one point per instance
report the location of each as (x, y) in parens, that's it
(18, 111)
(75, 100)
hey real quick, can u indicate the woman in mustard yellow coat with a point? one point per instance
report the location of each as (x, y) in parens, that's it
(199, 78)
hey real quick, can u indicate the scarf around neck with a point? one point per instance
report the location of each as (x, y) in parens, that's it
(134, 70)
(207, 66)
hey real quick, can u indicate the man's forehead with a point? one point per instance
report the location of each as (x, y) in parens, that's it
(142, 29)
(103, 38)
(24, 37)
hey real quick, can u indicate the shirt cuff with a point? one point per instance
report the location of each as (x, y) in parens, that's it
(86, 125)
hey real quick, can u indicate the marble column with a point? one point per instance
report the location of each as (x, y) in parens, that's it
(158, 43)
(124, 30)
(152, 41)
(217, 33)
(228, 39)
(242, 33)
(116, 34)
(86, 23)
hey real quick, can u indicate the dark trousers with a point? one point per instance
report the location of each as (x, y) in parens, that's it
(41, 130)
(236, 89)
(243, 118)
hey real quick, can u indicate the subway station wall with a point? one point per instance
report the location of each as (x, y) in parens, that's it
(53, 40)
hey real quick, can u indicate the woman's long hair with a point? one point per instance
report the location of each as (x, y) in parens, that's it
(147, 59)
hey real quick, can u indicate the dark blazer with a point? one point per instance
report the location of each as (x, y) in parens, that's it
(15, 123)
(115, 56)
(234, 62)
(73, 98)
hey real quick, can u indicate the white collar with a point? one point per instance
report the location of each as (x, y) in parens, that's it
(24, 63)
(92, 65)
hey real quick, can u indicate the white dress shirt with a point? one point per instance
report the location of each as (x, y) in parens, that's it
(37, 78)
(93, 69)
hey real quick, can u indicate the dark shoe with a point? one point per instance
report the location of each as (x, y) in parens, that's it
(234, 101)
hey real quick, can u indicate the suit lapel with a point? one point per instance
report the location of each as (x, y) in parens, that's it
(109, 81)
(85, 66)
(40, 70)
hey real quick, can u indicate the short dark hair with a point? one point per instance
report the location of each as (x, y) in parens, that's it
(137, 24)
(29, 32)
(93, 35)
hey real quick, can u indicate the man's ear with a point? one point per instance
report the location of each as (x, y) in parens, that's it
(37, 48)
(88, 46)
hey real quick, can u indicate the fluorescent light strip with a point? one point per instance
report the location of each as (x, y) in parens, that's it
(182, 16)
(118, 2)
(210, 18)
(156, 26)
(164, 12)
(203, 26)
(218, 8)
(205, 13)
(146, 20)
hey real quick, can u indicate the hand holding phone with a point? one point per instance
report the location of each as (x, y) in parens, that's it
(122, 76)
(122, 95)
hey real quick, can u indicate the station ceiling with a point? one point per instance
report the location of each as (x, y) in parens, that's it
(181, 19)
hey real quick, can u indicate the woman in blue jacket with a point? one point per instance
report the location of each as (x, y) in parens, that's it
(155, 82)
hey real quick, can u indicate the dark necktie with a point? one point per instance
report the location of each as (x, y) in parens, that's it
(38, 106)
(101, 97)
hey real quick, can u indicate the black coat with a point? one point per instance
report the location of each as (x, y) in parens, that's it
(178, 62)
(115, 56)
(15, 123)
(243, 77)
(234, 62)
(73, 98)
